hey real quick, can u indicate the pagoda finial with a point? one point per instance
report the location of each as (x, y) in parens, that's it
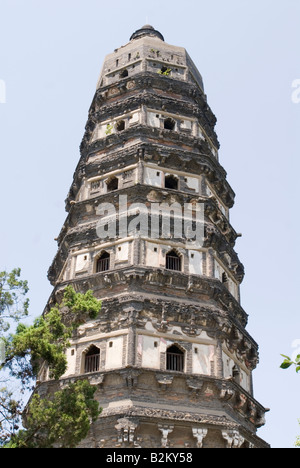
(146, 30)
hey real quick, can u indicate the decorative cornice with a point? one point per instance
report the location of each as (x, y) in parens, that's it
(193, 161)
(163, 415)
(149, 83)
(152, 280)
(148, 135)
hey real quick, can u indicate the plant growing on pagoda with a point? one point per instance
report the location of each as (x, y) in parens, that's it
(109, 129)
(165, 71)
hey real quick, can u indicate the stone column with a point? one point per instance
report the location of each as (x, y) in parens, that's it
(131, 346)
(131, 340)
(219, 359)
(210, 263)
(144, 115)
(140, 172)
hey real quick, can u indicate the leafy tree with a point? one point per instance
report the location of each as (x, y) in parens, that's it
(14, 306)
(13, 302)
(10, 414)
(47, 339)
(63, 418)
(58, 422)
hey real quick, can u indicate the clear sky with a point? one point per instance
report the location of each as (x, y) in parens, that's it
(51, 53)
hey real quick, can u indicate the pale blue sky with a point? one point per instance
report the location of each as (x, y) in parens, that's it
(51, 53)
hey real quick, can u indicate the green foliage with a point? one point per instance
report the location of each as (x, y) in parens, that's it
(10, 414)
(166, 72)
(61, 421)
(287, 363)
(64, 418)
(13, 303)
(109, 129)
(297, 443)
(13, 307)
(47, 339)
(81, 305)
(154, 51)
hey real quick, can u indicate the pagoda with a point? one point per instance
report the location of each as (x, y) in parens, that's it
(148, 231)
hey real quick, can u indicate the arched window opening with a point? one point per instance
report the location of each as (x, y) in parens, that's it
(124, 73)
(120, 125)
(169, 124)
(175, 359)
(92, 360)
(171, 182)
(236, 374)
(173, 261)
(224, 278)
(112, 184)
(103, 262)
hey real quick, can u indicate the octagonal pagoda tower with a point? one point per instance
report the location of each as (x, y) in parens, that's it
(170, 353)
